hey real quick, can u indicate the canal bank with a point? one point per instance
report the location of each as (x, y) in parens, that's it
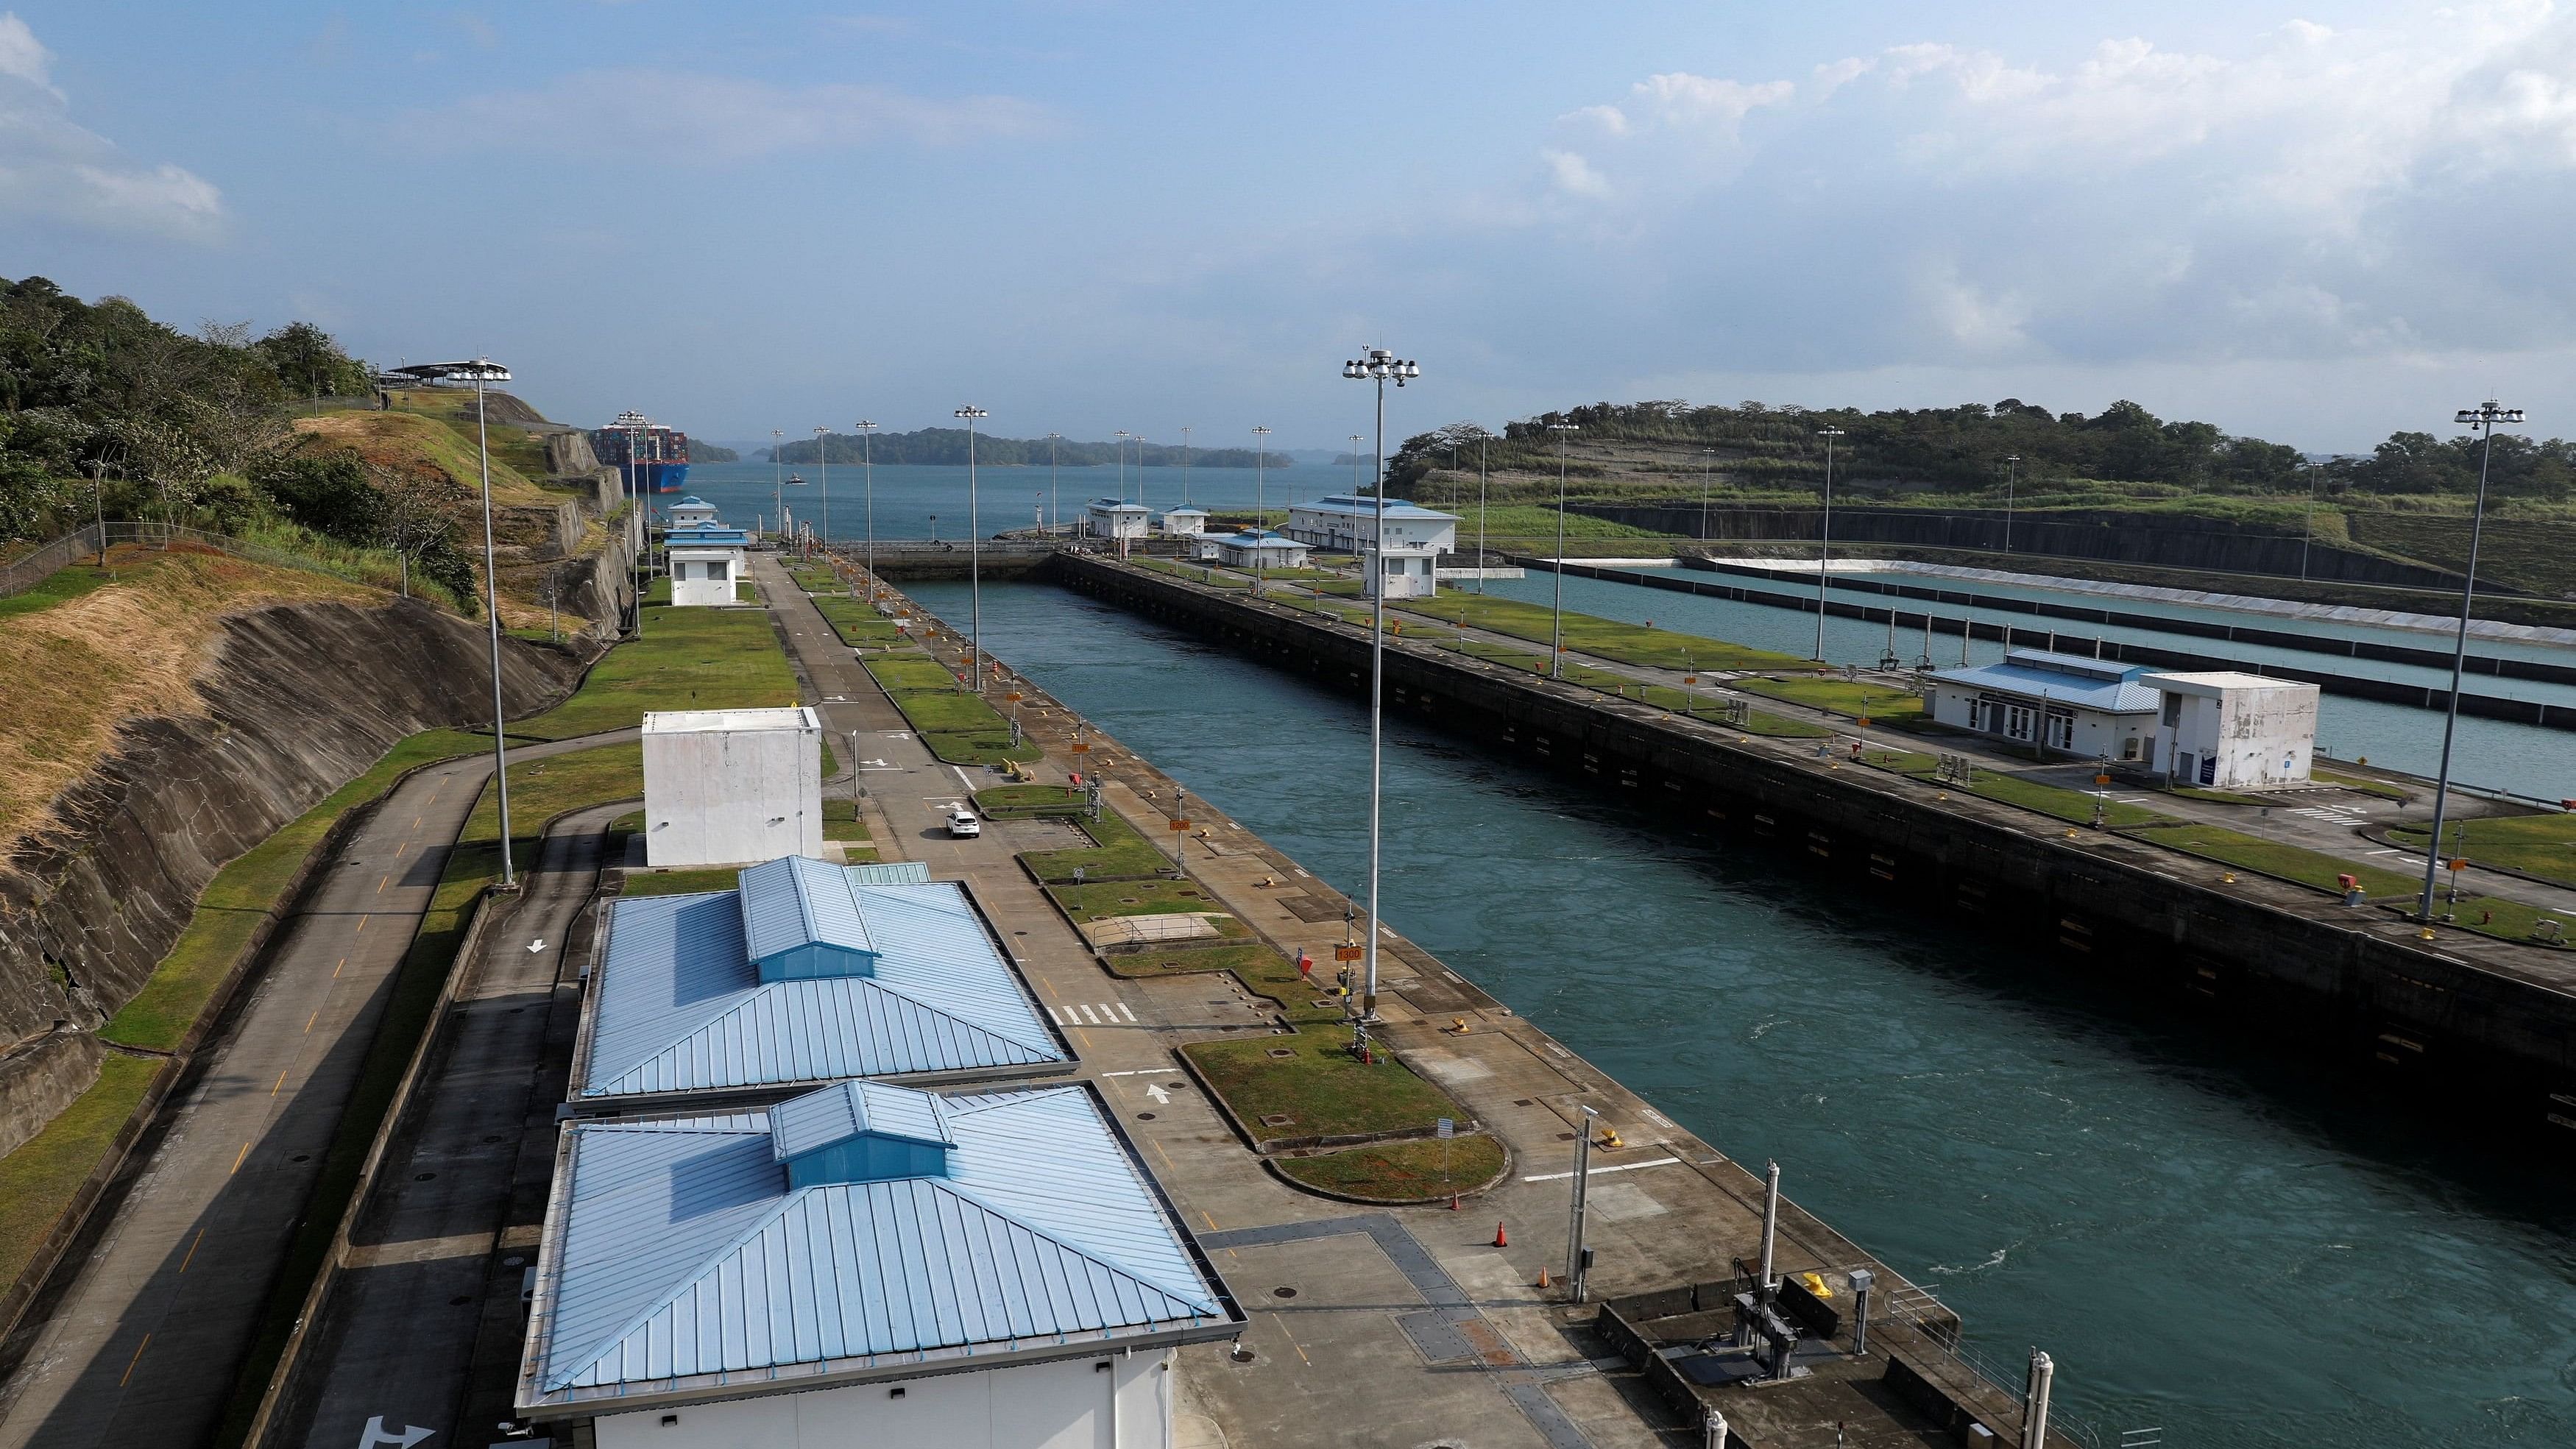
(2216, 1236)
(2484, 1022)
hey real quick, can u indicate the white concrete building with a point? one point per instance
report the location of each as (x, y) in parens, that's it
(707, 562)
(732, 786)
(1184, 521)
(1415, 539)
(691, 512)
(2063, 703)
(1254, 550)
(1117, 518)
(2234, 731)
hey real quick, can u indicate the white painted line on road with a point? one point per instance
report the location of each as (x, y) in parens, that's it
(1087, 1018)
(1596, 1172)
(1123, 1011)
(1059, 1017)
(2391, 851)
(1139, 1072)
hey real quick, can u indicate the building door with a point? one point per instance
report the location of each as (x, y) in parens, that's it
(2060, 730)
(2018, 721)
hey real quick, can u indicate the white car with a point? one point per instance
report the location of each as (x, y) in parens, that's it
(962, 825)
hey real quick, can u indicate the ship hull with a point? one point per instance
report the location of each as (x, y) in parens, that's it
(659, 478)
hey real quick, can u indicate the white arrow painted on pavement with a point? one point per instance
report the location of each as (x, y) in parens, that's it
(411, 1434)
(1155, 1091)
(536, 945)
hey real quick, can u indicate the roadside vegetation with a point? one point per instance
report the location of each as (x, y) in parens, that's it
(686, 659)
(39, 1178)
(2536, 845)
(958, 726)
(1411, 1170)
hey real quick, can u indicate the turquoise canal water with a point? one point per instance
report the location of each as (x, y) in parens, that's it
(929, 500)
(2233, 1248)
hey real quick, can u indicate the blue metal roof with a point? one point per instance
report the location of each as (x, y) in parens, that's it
(890, 872)
(847, 1109)
(1118, 505)
(1257, 540)
(1395, 507)
(2068, 679)
(678, 1005)
(796, 902)
(676, 1252)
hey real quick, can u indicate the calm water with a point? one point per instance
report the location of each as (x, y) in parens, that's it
(2498, 754)
(2205, 1241)
(922, 500)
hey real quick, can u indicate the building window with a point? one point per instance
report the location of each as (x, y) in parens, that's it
(2017, 721)
(2129, 748)
(2061, 729)
(2173, 709)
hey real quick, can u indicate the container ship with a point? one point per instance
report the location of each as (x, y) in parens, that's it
(654, 459)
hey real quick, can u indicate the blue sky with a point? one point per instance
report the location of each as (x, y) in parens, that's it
(2315, 225)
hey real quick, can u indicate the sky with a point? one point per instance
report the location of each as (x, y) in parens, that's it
(2315, 225)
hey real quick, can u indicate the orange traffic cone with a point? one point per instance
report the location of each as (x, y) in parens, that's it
(1500, 1240)
(1542, 1277)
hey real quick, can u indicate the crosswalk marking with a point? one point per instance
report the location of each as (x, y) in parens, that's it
(1084, 1013)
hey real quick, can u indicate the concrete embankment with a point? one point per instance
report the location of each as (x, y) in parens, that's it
(2156, 540)
(293, 701)
(2486, 706)
(2481, 1020)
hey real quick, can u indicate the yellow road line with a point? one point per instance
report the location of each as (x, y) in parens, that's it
(192, 1250)
(335, 971)
(380, 882)
(362, 925)
(1211, 1220)
(1159, 1152)
(281, 1081)
(316, 1016)
(237, 1159)
(138, 1358)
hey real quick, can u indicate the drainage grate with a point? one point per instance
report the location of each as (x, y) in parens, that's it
(1278, 1119)
(1277, 1053)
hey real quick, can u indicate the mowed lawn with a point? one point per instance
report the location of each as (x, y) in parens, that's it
(1607, 638)
(2541, 845)
(687, 659)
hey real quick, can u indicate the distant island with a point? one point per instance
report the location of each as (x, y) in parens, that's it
(948, 445)
(703, 452)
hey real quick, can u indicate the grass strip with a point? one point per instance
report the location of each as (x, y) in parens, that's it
(858, 624)
(687, 659)
(2296, 863)
(39, 1179)
(2362, 783)
(1848, 698)
(1030, 802)
(958, 726)
(1119, 851)
(1414, 1170)
(1104, 900)
(1318, 1087)
(243, 893)
(1606, 638)
(1263, 972)
(682, 882)
(2537, 845)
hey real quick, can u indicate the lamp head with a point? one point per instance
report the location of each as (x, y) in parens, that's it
(970, 413)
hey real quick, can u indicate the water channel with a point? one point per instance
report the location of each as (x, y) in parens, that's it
(2237, 1249)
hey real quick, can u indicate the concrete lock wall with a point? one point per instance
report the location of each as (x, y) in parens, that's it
(1066, 1404)
(729, 797)
(2460, 1018)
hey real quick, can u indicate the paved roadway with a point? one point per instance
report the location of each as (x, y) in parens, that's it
(144, 1344)
(432, 1285)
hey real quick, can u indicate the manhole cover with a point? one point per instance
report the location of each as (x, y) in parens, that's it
(1129, 901)
(301, 1157)
(1144, 1116)
(1278, 1119)
(1282, 1053)
(1178, 1086)
(1240, 1354)
(1283, 1292)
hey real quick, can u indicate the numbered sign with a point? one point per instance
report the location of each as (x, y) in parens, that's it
(1347, 953)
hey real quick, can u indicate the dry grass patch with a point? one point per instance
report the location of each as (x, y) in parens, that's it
(133, 647)
(410, 440)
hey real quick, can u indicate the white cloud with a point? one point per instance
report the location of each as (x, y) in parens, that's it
(54, 170)
(1573, 175)
(1610, 120)
(702, 119)
(2303, 192)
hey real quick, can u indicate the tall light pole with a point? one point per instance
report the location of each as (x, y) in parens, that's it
(1355, 462)
(1825, 551)
(1707, 473)
(1122, 435)
(1379, 366)
(1054, 518)
(2484, 418)
(1480, 513)
(1140, 468)
(2012, 475)
(868, 486)
(777, 485)
(1185, 466)
(1260, 463)
(974, 546)
(2308, 519)
(1556, 645)
(479, 371)
(824, 474)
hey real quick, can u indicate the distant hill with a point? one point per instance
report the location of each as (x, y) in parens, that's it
(703, 452)
(948, 445)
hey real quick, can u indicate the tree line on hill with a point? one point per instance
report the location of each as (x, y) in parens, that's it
(104, 410)
(948, 445)
(700, 452)
(1967, 448)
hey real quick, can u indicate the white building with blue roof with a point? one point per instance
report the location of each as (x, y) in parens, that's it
(864, 1265)
(1415, 539)
(805, 973)
(1254, 548)
(2066, 703)
(706, 558)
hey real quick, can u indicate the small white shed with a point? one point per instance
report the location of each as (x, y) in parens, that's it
(732, 786)
(1117, 518)
(1184, 521)
(706, 564)
(1252, 549)
(2230, 730)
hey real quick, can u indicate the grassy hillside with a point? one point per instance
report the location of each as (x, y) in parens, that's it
(396, 439)
(506, 420)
